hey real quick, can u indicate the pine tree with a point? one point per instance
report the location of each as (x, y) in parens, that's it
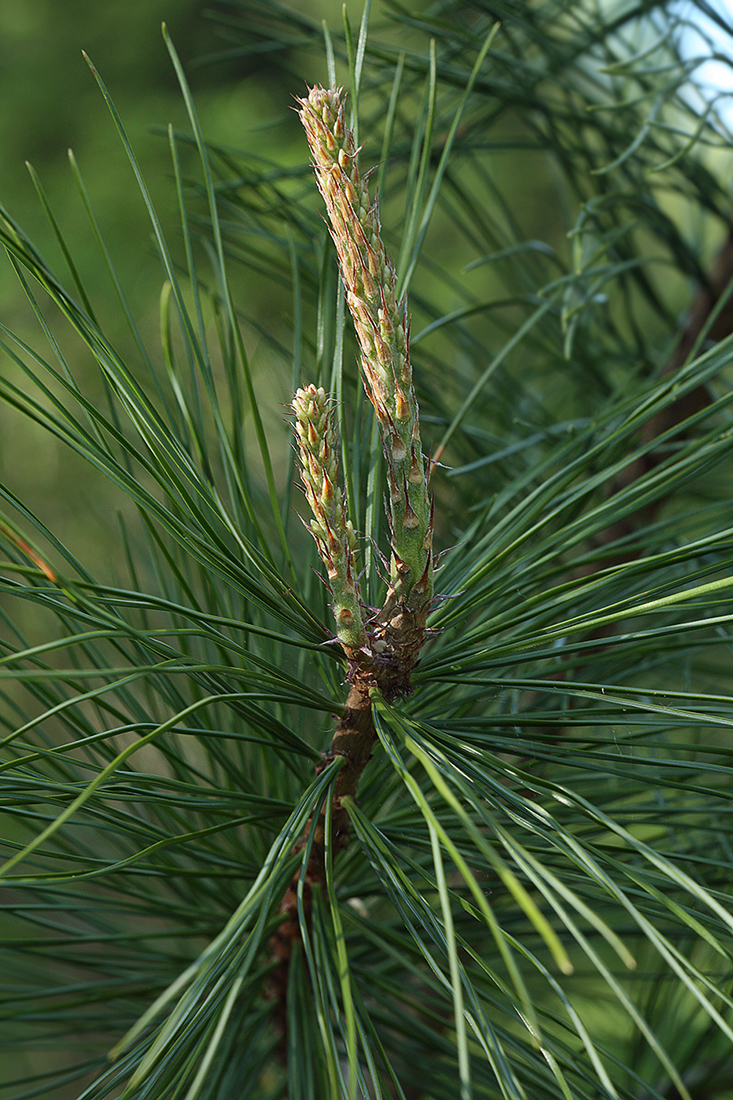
(426, 796)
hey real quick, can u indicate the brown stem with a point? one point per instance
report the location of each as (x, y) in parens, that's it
(678, 411)
(353, 739)
(386, 664)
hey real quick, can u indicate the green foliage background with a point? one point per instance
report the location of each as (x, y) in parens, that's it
(536, 897)
(49, 103)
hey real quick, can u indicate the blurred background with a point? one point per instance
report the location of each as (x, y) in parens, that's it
(50, 103)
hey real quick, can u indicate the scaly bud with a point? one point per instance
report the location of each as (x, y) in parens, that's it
(331, 527)
(381, 328)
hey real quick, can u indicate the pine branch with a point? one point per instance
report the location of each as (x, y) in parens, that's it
(383, 649)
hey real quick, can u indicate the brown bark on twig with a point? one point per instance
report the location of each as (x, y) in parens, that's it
(385, 665)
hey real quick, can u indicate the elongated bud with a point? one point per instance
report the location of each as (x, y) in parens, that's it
(330, 526)
(382, 331)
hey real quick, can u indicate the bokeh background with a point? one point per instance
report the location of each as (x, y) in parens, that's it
(50, 103)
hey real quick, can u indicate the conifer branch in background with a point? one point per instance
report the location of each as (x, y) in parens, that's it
(710, 318)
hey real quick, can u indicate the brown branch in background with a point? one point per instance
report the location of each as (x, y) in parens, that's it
(662, 422)
(678, 411)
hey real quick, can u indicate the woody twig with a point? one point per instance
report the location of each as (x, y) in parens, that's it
(381, 648)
